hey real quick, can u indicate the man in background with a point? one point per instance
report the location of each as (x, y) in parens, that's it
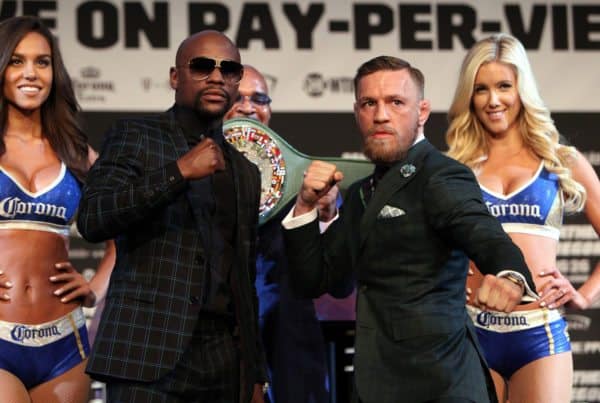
(290, 330)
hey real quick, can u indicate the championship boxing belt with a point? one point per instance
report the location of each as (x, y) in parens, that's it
(281, 166)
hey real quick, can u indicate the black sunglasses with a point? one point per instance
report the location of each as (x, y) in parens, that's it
(201, 67)
(258, 98)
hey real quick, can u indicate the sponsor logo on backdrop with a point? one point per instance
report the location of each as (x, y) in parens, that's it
(316, 85)
(585, 395)
(420, 25)
(593, 157)
(296, 38)
(150, 84)
(90, 87)
(579, 249)
(587, 347)
(586, 386)
(578, 322)
(271, 81)
(586, 377)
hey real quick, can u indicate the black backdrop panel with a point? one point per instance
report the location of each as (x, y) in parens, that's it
(331, 134)
(334, 134)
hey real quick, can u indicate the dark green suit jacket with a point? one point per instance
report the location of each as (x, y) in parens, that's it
(408, 250)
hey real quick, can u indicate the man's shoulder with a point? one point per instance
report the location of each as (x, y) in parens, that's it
(144, 124)
(436, 159)
(146, 119)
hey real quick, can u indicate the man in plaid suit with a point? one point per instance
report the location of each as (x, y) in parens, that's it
(290, 331)
(180, 321)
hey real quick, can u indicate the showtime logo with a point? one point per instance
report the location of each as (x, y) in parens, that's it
(578, 322)
(316, 85)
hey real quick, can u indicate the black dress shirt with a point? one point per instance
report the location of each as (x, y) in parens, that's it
(221, 204)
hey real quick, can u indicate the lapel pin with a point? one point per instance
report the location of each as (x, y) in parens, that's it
(407, 170)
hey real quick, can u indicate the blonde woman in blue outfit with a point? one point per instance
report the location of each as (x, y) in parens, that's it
(44, 157)
(500, 127)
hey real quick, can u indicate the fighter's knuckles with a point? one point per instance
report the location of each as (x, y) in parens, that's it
(482, 295)
(325, 168)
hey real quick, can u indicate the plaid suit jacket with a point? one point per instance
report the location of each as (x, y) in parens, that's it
(135, 194)
(407, 249)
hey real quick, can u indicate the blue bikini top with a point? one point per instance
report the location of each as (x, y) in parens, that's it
(51, 209)
(535, 208)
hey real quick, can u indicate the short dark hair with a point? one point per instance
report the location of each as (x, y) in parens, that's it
(389, 63)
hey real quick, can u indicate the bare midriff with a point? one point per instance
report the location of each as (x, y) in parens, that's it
(540, 255)
(28, 260)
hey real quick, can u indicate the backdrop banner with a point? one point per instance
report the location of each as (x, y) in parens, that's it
(119, 52)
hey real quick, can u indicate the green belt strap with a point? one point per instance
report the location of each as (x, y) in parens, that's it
(281, 166)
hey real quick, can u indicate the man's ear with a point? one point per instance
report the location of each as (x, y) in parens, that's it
(424, 111)
(173, 78)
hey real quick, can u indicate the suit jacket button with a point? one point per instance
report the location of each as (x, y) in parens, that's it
(194, 300)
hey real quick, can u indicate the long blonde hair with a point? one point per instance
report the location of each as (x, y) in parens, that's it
(466, 137)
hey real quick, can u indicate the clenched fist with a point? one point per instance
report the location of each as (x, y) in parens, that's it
(498, 294)
(204, 159)
(319, 178)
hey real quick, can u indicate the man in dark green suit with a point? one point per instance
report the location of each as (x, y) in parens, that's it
(405, 235)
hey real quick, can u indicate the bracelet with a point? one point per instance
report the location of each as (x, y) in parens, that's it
(516, 280)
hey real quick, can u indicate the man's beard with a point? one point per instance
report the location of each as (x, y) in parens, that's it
(390, 149)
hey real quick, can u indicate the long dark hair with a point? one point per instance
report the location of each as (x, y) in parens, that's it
(59, 112)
